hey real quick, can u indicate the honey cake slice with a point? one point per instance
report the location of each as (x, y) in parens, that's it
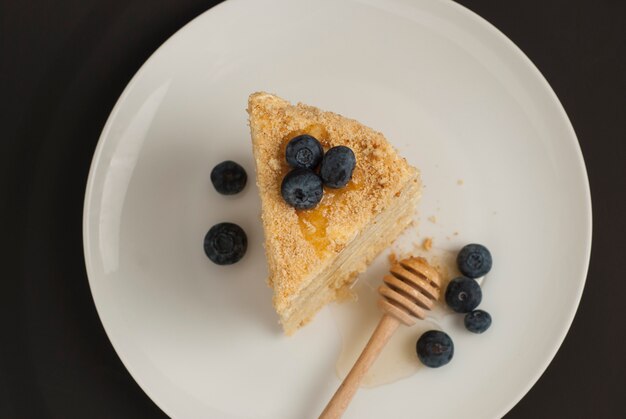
(314, 255)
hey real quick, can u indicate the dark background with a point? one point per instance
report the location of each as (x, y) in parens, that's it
(64, 63)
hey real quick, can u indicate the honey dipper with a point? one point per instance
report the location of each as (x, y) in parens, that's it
(407, 293)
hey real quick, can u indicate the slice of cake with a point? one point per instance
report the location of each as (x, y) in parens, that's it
(314, 255)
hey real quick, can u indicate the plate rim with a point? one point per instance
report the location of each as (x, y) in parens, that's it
(467, 14)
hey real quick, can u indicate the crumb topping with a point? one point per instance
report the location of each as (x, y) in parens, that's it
(298, 243)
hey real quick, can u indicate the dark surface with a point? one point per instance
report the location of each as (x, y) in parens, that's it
(63, 65)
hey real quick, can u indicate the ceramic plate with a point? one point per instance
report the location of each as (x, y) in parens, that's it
(500, 163)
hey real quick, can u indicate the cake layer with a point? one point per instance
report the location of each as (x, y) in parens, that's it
(334, 281)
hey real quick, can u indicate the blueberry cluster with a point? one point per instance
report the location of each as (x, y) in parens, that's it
(463, 294)
(226, 243)
(303, 187)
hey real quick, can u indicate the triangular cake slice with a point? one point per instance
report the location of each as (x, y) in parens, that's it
(314, 255)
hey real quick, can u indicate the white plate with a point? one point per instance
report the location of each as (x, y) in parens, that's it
(457, 98)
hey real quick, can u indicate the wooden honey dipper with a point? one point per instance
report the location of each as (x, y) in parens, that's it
(410, 291)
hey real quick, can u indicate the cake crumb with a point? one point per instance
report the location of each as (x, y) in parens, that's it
(460, 182)
(432, 219)
(427, 244)
(393, 259)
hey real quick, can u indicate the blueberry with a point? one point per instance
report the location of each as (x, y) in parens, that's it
(304, 152)
(225, 243)
(337, 166)
(477, 321)
(434, 348)
(474, 260)
(228, 178)
(302, 189)
(463, 294)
